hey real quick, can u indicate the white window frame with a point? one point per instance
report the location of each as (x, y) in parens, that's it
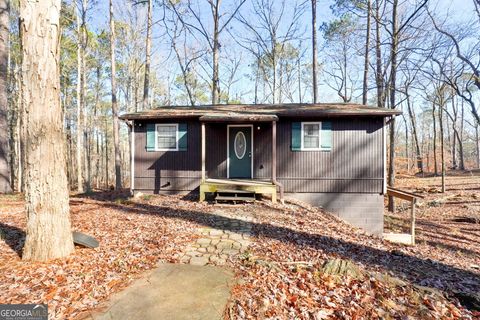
(319, 136)
(176, 136)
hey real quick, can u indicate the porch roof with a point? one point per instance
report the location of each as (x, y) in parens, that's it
(260, 112)
(238, 117)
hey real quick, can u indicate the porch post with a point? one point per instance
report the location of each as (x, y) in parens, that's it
(203, 152)
(274, 165)
(274, 151)
(202, 183)
(132, 157)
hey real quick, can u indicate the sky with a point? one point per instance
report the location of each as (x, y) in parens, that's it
(454, 10)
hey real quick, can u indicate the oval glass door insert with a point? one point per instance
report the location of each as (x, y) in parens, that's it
(240, 145)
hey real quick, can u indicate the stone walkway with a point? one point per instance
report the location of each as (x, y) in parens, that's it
(229, 236)
(172, 291)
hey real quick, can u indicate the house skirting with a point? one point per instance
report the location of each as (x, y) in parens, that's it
(359, 209)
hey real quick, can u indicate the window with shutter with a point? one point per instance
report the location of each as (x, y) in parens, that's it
(166, 137)
(315, 136)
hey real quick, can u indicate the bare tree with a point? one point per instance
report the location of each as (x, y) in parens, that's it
(80, 105)
(314, 51)
(269, 30)
(366, 62)
(409, 78)
(395, 33)
(48, 233)
(116, 127)
(212, 38)
(339, 52)
(379, 72)
(5, 175)
(148, 53)
(469, 59)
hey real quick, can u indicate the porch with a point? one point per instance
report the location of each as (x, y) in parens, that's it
(255, 186)
(239, 175)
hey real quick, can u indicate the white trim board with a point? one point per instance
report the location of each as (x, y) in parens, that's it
(228, 146)
(176, 136)
(302, 144)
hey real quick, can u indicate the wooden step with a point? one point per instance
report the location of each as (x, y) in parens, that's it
(235, 195)
(234, 191)
(234, 199)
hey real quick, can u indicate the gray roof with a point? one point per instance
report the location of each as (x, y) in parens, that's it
(260, 112)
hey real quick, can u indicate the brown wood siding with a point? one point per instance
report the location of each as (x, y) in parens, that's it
(354, 165)
(262, 156)
(216, 150)
(167, 170)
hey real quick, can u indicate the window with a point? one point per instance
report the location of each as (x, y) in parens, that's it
(311, 135)
(167, 137)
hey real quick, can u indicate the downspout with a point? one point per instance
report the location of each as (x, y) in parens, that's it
(274, 161)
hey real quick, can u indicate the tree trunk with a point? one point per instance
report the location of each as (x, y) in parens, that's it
(15, 165)
(367, 51)
(314, 51)
(393, 75)
(477, 144)
(299, 78)
(148, 50)
(257, 71)
(434, 117)
(407, 150)
(460, 138)
(442, 142)
(274, 69)
(378, 53)
(5, 174)
(215, 80)
(48, 232)
(415, 135)
(116, 129)
(96, 127)
(79, 108)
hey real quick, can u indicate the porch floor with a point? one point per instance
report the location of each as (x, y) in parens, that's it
(257, 186)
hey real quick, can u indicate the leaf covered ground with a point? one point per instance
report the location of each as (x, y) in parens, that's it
(280, 277)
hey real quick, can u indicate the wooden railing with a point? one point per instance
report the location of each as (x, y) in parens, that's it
(412, 198)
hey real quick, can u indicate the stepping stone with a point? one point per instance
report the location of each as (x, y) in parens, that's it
(204, 241)
(216, 232)
(236, 245)
(200, 261)
(236, 236)
(217, 260)
(230, 252)
(224, 244)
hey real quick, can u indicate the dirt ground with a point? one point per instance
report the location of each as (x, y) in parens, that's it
(282, 275)
(447, 224)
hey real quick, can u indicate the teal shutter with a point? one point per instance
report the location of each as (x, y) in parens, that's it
(150, 145)
(326, 135)
(182, 137)
(296, 136)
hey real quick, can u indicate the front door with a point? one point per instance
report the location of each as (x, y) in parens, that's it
(240, 152)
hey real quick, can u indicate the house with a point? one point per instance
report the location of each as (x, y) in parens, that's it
(329, 155)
